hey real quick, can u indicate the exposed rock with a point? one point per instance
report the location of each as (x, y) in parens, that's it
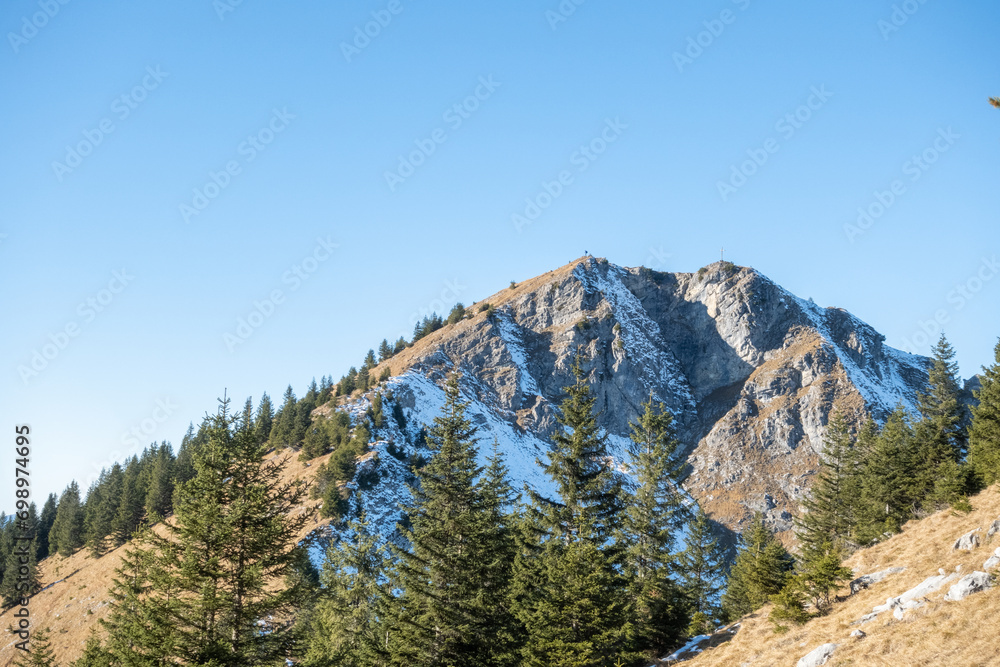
(866, 580)
(968, 542)
(993, 529)
(750, 372)
(818, 656)
(921, 590)
(900, 610)
(859, 634)
(967, 585)
(993, 561)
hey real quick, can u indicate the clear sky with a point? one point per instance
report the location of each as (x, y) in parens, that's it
(170, 167)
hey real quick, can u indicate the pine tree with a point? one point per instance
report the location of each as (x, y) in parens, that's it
(384, 350)
(984, 434)
(45, 521)
(369, 361)
(442, 575)
(102, 504)
(570, 594)
(829, 509)
(350, 623)
(285, 421)
(195, 595)
(654, 514)
(888, 480)
(184, 465)
(66, 535)
(160, 493)
(132, 506)
(264, 418)
(457, 314)
(702, 567)
(761, 569)
(94, 654)
(942, 406)
(20, 578)
(819, 573)
(40, 651)
(399, 346)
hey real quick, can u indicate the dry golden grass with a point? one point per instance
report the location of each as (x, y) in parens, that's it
(962, 633)
(71, 607)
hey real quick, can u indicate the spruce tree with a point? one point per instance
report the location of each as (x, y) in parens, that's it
(94, 654)
(942, 406)
(159, 495)
(197, 594)
(570, 593)
(384, 350)
(443, 573)
(66, 535)
(351, 621)
(654, 515)
(283, 430)
(40, 651)
(20, 579)
(984, 434)
(761, 569)
(702, 568)
(132, 506)
(829, 509)
(889, 490)
(264, 418)
(45, 521)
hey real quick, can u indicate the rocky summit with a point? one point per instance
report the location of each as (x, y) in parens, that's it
(750, 371)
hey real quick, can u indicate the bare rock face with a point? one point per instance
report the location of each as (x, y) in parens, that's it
(967, 542)
(967, 585)
(818, 656)
(750, 372)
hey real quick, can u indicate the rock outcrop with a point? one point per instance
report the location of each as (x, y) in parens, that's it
(866, 580)
(968, 542)
(750, 372)
(967, 585)
(818, 656)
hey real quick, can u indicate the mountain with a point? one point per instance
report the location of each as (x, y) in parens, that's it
(750, 371)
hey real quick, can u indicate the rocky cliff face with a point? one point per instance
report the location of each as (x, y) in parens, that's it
(750, 372)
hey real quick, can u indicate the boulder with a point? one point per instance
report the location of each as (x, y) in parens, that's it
(859, 634)
(967, 585)
(900, 610)
(968, 542)
(921, 590)
(993, 529)
(818, 656)
(866, 580)
(993, 560)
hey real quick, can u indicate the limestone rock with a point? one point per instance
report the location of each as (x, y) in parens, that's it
(967, 585)
(993, 561)
(993, 529)
(859, 634)
(968, 542)
(818, 656)
(866, 580)
(921, 590)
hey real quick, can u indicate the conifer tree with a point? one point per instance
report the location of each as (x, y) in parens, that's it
(888, 480)
(984, 434)
(829, 509)
(40, 651)
(159, 495)
(941, 406)
(384, 350)
(196, 595)
(184, 465)
(761, 568)
(351, 622)
(102, 505)
(653, 516)
(399, 346)
(94, 654)
(569, 590)
(17, 583)
(132, 506)
(264, 418)
(45, 521)
(443, 574)
(67, 527)
(285, 422)
(702, 567)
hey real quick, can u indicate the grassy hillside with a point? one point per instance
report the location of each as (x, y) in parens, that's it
(939, 633)
(76, 590)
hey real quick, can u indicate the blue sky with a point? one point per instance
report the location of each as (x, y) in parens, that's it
(170, 167)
